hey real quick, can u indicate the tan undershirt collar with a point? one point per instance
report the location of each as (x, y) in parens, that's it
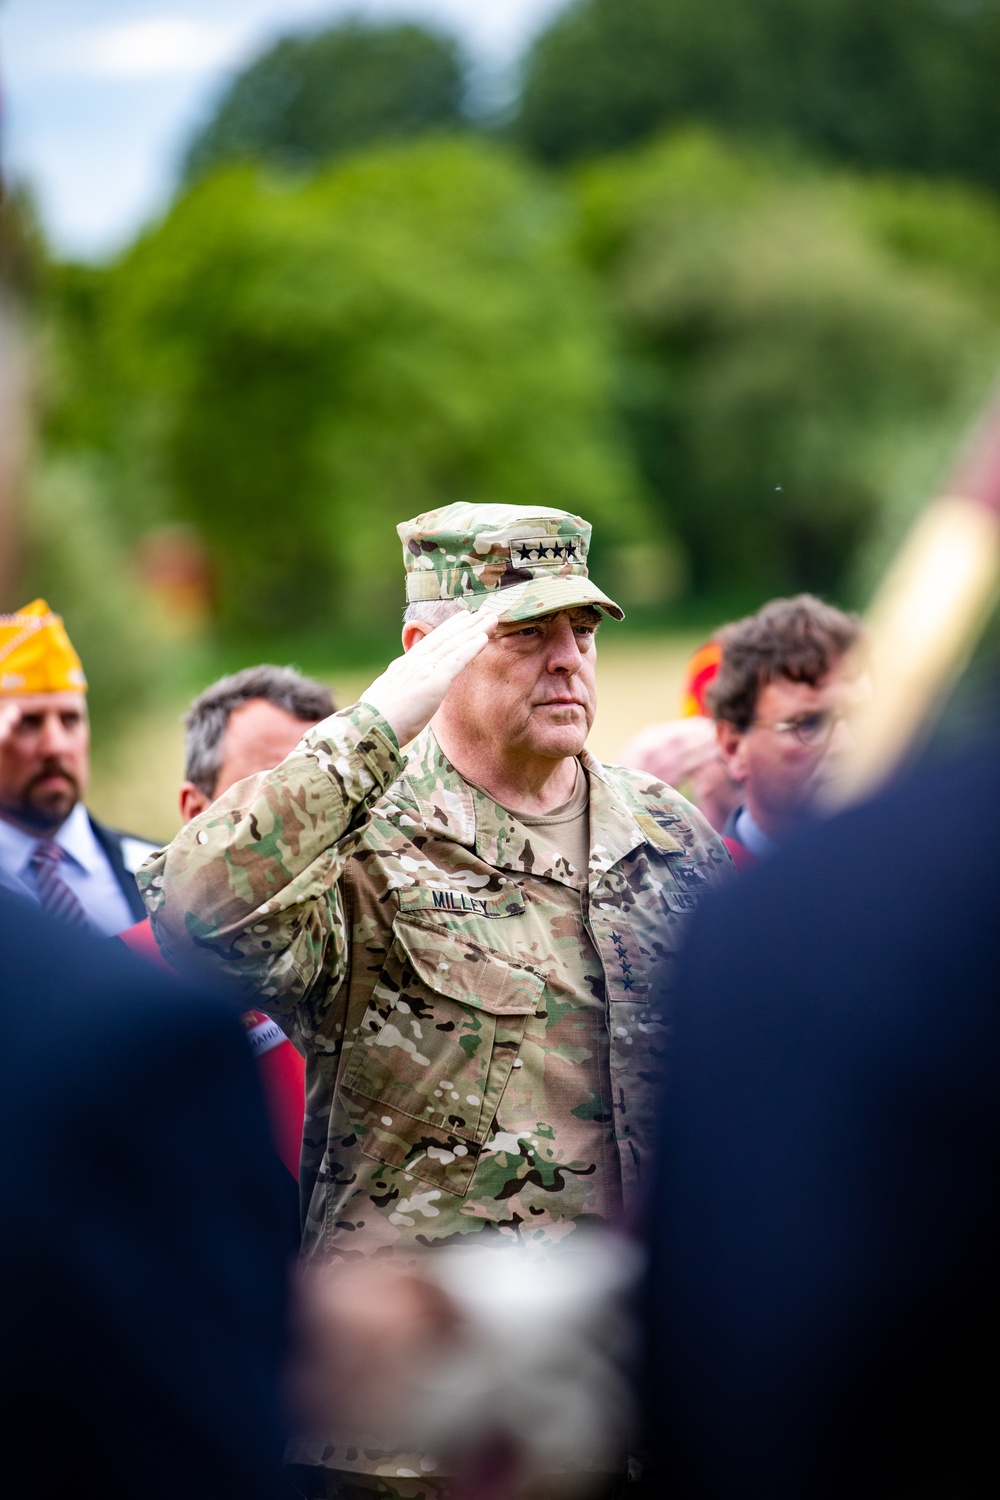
(564, 831)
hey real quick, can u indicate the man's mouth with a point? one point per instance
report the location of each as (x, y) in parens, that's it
(48, 781)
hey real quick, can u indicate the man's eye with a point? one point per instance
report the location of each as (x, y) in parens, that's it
(30, 723)
(70, 721)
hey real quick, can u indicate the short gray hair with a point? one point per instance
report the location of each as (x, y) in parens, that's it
(206, 720)
(432, 612)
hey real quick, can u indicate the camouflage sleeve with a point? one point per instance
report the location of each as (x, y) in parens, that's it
(250, 887)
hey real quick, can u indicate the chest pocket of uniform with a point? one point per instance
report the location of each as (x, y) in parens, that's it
(434, 1052)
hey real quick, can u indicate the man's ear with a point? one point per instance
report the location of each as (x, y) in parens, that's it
(732, 745)
(414, 631)
(192, 800)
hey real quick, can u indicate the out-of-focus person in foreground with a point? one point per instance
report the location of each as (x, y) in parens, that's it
(52, 850)
(827, 1223)
(142, 1258)
(466, 937)
(787, 679)
(238, 727)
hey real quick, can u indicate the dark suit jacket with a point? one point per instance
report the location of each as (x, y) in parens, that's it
(142, 1247)
(823, 1312)
(122, 850)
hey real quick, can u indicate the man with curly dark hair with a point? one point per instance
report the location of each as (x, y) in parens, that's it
(787, 676)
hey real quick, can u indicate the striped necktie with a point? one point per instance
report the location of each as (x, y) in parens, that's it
(53, 892)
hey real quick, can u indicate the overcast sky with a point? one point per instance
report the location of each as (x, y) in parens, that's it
(100, 96)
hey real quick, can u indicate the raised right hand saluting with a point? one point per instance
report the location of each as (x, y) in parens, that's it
(412, 688)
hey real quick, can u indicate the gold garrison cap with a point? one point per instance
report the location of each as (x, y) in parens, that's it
(36, 655)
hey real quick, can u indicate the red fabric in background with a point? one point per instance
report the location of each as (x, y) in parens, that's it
(282, 1071)
(283, 1078)
(742, 858)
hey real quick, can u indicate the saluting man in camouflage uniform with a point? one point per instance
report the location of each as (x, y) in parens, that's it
(471, 938)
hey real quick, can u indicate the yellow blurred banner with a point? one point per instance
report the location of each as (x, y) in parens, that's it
(929, 612)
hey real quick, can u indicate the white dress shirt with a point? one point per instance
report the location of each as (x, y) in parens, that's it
(84, 868)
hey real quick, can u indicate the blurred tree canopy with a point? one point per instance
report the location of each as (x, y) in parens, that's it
(297, 365)
(745, 366)
(315, 96)
(889, 83)
(798, 351)
(58, 537)
(73, 554)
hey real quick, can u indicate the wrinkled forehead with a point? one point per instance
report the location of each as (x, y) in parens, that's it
(48, 703)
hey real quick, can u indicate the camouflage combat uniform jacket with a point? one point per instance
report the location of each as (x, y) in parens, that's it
(482, 1029)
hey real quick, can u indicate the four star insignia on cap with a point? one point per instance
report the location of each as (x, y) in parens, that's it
(534, 551)
(527, 560)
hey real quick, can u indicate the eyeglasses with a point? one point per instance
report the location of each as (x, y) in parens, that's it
(812, 730)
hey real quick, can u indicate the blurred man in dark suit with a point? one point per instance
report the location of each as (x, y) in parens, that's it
(826, 1247)
(142, 1248)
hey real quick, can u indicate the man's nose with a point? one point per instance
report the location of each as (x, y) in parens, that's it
(53, 738)
(564, 653)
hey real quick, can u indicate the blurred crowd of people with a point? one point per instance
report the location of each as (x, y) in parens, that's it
(500, 1000)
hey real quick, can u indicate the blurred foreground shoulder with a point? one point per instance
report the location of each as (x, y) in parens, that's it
(143, 1228)
(829, 1159)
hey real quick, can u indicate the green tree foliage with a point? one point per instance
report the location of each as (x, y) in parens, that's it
(799, 351)
(315, 96)
(296, 366)
(72, 553)
(899, 83)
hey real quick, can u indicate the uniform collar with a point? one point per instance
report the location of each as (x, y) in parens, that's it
(450, 808)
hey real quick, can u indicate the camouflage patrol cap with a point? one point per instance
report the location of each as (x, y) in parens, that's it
(519, 560)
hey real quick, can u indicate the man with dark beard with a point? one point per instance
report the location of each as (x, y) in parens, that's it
(51, 849)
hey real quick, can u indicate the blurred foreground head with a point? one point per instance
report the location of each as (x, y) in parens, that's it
(245, 724)
(787, 678)
(508, 1364)
(44, 730)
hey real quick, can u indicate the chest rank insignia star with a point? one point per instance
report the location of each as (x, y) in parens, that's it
(626, 967)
